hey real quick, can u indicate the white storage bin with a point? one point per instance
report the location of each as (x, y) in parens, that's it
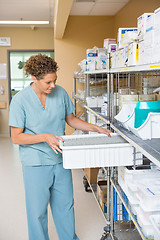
(147, 228)
(155, 220)
(150, 128)
(95, 151)
(129, 177)
(149, 197)
(146, 215)
(126, 115)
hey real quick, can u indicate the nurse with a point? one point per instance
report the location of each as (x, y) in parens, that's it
(37, 118)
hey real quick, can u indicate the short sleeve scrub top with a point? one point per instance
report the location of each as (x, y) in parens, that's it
(27, 112)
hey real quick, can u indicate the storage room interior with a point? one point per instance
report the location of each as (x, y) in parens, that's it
(104, 188)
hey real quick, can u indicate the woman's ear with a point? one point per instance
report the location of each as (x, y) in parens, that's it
(34, 78)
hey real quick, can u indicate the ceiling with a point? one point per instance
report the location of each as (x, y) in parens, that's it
(43, 10)
(97, 7)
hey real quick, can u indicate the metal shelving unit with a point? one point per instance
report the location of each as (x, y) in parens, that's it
(149, 148)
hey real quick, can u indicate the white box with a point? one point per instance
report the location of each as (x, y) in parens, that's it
(157, 18)
(113, 60)
(112, 48)
(121, 32)
(141, 53)
(96, 150)
(133, 57)
(108, 41)
(149, 34)
(157, 27)
(141, 24)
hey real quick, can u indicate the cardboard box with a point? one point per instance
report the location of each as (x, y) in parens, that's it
(91, 174)
(102, 194)
(103, 206)
(102, 191)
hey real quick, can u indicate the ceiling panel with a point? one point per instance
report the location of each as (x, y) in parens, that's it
(81, 8)
(97, 8)
(106, 9)
(26, 9)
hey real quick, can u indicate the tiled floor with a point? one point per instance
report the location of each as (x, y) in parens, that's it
(13, 223)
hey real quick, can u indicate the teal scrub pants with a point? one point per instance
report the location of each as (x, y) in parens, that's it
(49, 185)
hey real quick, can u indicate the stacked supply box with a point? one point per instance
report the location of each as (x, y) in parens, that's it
(92, 55)
(141, 24)
(149, 40)
(97, 59)
(102, 61)
(156, 46)
(133, 54)
(108, 41)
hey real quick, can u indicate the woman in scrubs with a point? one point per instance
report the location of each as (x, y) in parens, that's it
(37, 118)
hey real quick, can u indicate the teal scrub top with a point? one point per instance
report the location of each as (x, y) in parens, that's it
(26, 111)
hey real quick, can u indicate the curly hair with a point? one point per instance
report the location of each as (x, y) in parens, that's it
(40, 65)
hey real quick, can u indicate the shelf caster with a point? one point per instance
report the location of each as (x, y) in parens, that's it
(85, 183)
(106, 236)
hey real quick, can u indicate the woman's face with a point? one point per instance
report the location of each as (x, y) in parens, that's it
(47, 83)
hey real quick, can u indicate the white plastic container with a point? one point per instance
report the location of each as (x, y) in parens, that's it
(146, 215)
(149, 197)
(150, 128)
(129, 177)
(96, 150)
(155, 220)
(147, 228)
(126, 115)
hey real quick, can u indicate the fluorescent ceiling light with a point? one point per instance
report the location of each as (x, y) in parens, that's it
(24, 22)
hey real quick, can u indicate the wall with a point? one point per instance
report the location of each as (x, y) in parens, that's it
(21, 39)
(81, 33)
(127, 16)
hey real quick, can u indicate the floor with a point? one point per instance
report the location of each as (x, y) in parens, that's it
(13, 223)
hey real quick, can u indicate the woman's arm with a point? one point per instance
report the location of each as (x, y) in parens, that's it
(76, 123)
(19, 137)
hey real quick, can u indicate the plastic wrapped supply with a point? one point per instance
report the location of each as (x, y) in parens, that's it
(83, 65)
(129, 37)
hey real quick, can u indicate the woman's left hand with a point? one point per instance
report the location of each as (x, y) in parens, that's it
(103, 130)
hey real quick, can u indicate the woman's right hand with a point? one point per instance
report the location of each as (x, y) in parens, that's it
(53, 142)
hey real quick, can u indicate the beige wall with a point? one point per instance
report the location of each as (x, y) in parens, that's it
(21, 39)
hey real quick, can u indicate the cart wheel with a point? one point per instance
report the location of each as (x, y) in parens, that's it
(85, 183)
(105, 236)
